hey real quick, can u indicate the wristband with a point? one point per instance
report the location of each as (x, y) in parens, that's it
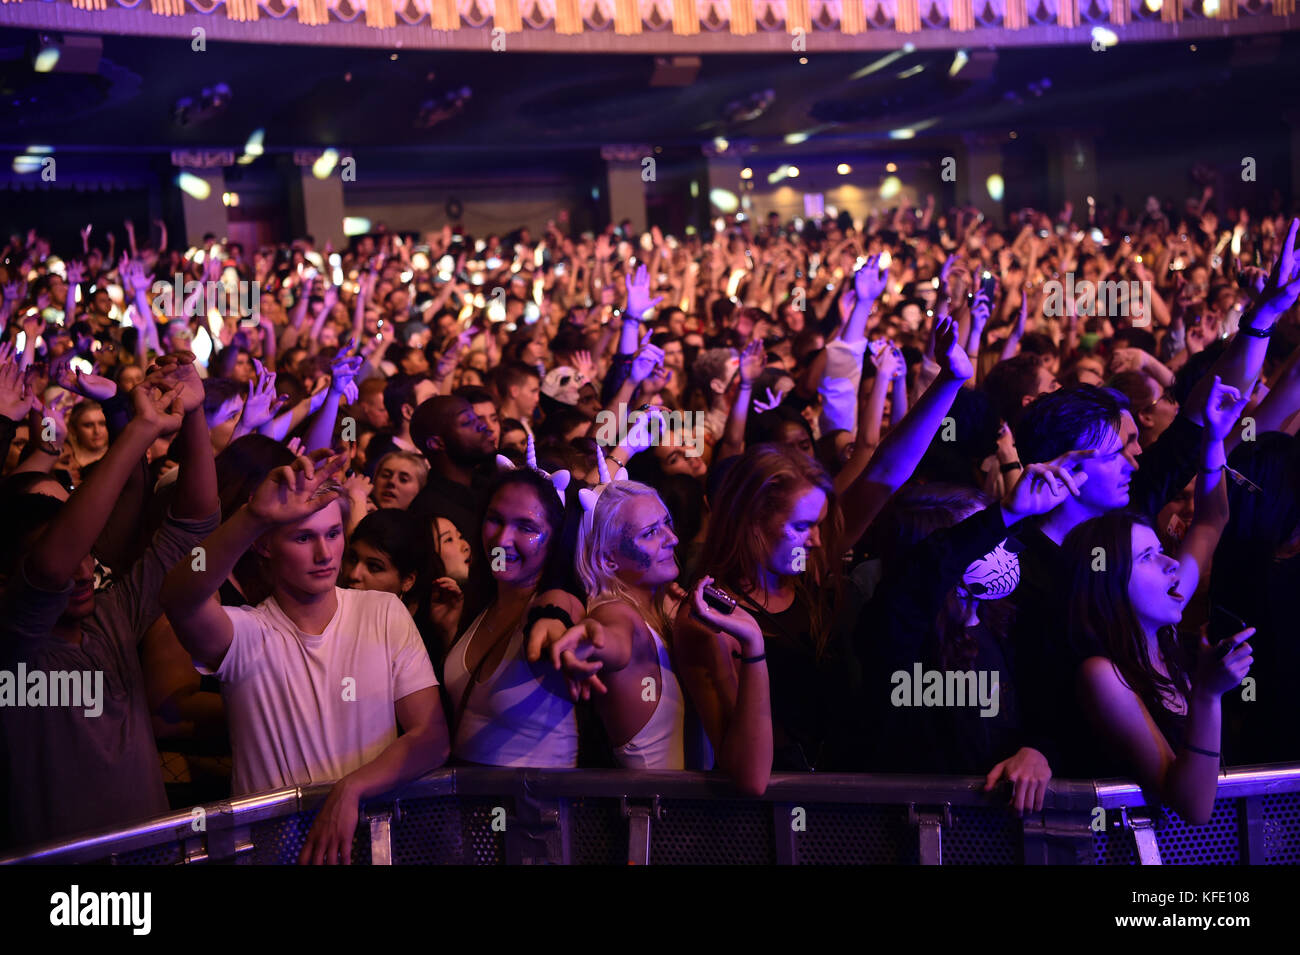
(617, 462)
(1203, 752)
(755, 659)
(549, 612)
(1011, 466)
(1257, 332)
(1213, 470)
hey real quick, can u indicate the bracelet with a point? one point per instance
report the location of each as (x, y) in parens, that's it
(617, 462)
(1214, 470)
(1011, 466)
(1203, 752)
(1257, 332)
(756, 659)
(549, 612)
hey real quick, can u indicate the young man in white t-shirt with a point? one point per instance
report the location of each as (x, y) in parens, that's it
(316, 679)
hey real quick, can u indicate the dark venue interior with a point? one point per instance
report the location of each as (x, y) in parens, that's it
(676, 432)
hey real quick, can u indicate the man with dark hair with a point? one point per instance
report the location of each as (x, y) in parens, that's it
(519, 389)
(402, 395)
(90, 762)
(1099, 420)
(459, 448)
(485, 406)
(1015, 382)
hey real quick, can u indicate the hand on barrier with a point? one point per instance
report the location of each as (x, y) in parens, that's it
(1028, 773)
(330, 840)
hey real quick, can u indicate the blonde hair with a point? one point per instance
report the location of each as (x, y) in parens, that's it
(602, 527)
(415, 460)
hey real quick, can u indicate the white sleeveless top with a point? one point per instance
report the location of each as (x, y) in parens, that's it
(660, 743)
(510, 719)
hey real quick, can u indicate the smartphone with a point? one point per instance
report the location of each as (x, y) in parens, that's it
(719, 599)
(1224, 624)
(989, 286)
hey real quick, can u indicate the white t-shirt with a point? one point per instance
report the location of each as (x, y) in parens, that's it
(307, 709)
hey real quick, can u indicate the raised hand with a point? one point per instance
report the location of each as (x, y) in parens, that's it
(16, 397)
(1222, 405)
(774, 398)
(1043, 486)
(1283, 285)
(160, 404)
(262, 403)
(889, 363)
(76, 273)
(94, 387)
(950, 356)
(647, 358)
(342, 370)
(584, 365)
(178, 368)
(752, 362)
(296, 491)
(357, 489)
(639, 435)
(869, 281)
(638, 293)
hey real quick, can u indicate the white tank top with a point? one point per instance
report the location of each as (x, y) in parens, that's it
(660, 743)
(510, 719)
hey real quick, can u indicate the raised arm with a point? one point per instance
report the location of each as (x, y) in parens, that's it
(189, 596)
(1211, 495)
(903, 448)
(70, 536)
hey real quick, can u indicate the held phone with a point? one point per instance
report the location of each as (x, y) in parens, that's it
(719, 599)
(1224, 624)
(989, 285)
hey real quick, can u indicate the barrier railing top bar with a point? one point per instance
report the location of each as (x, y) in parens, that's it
(1242, 781)
(1063, 796)
(783, 787)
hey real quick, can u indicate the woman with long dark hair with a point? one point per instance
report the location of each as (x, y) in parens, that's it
(389, 552)
(508, 711)
(1155, 698)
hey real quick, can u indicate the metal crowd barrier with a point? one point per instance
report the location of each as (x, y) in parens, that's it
(490, 816)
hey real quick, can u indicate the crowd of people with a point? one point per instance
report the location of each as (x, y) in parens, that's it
(841, 496)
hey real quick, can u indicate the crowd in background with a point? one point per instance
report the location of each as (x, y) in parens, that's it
(925, 493)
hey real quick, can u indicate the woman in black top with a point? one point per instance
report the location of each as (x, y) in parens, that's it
(774, 703)
(1155, 701)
